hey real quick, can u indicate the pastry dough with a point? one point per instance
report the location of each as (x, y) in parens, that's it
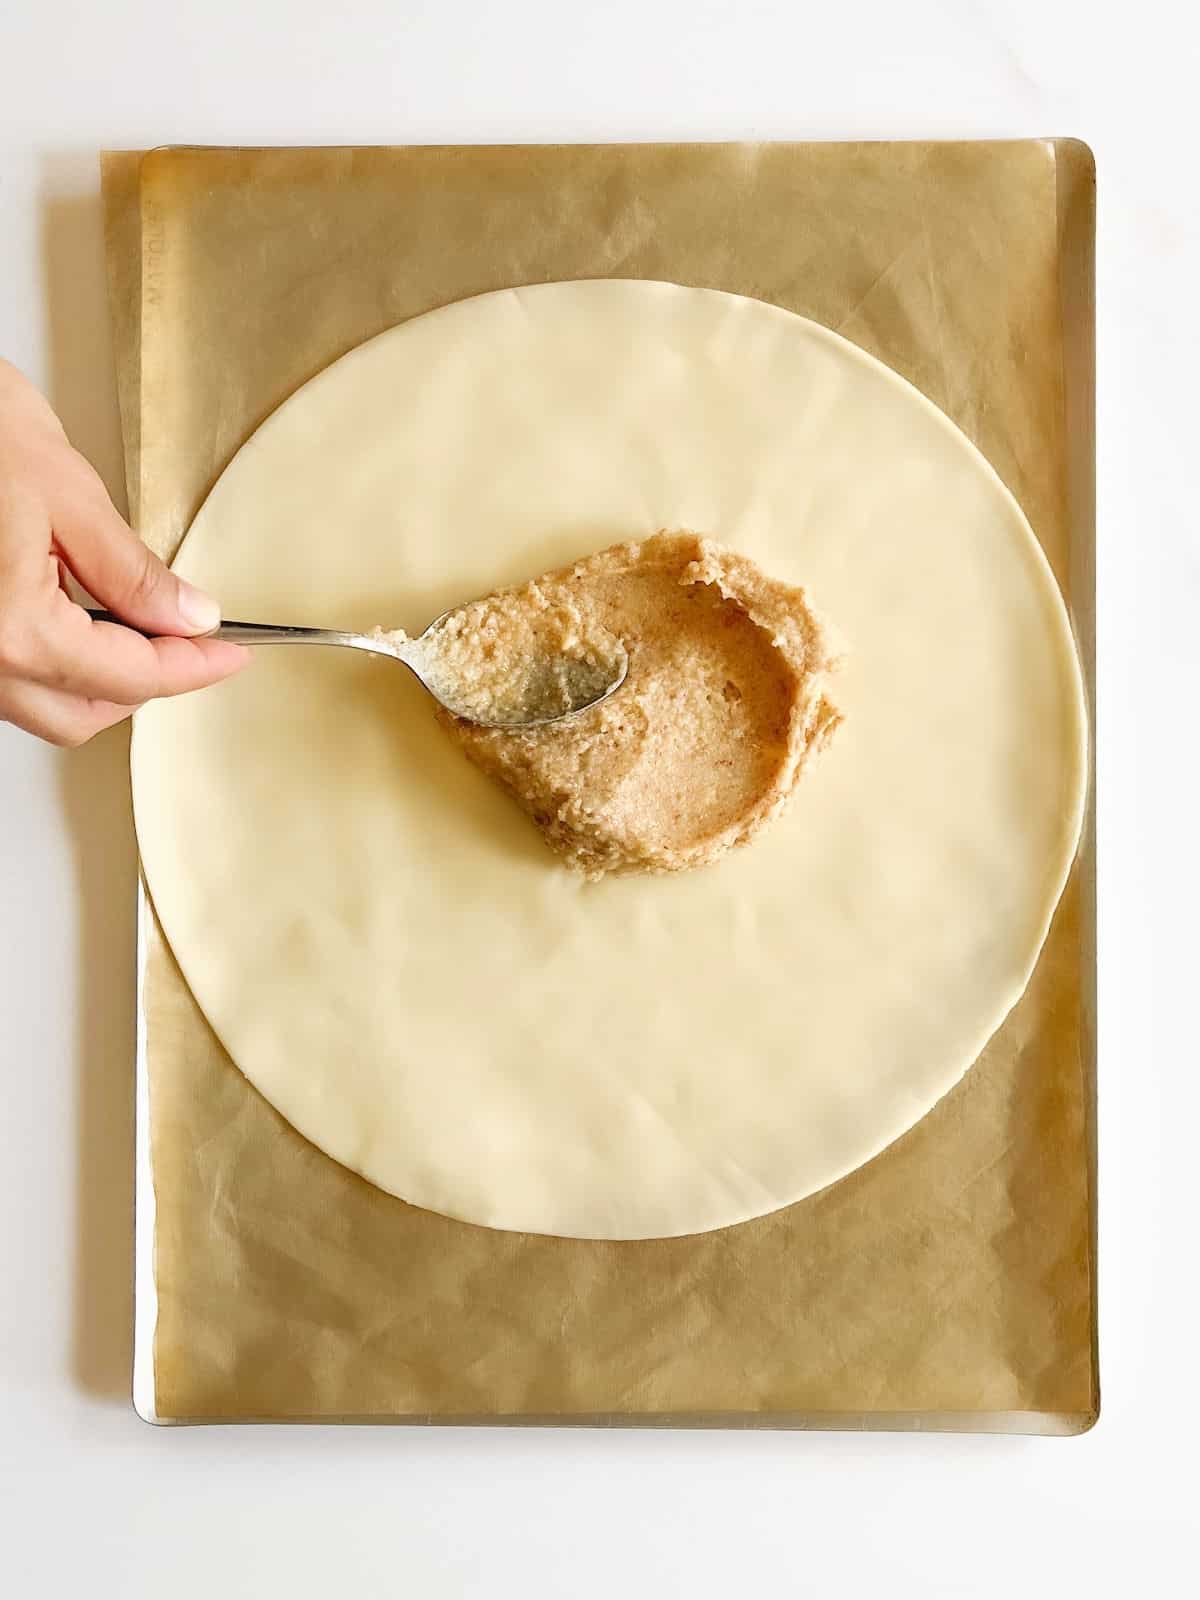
(381, 939)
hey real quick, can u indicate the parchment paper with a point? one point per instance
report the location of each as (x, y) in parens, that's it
(948, 1283)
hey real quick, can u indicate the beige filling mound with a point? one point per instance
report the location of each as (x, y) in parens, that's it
(702, 745)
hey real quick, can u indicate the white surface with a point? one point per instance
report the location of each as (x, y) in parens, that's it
(752, 1065)
(91, 1499)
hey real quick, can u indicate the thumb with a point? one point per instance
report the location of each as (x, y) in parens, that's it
(114, 566)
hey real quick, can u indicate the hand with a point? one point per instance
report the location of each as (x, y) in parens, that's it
(63, 676)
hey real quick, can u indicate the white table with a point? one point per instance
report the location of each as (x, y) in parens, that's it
(91, 1500)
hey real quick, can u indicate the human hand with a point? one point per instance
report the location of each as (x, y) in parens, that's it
(63, 676)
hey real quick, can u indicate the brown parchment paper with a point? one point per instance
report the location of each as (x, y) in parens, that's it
(950, 1282)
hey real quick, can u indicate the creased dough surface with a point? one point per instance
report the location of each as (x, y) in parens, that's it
(377, 934)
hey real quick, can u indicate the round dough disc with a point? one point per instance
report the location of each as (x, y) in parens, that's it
(384, 944)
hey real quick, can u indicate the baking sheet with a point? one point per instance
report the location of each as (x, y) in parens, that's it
(949, 1282)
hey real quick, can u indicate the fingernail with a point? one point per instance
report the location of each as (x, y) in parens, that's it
(199, 610)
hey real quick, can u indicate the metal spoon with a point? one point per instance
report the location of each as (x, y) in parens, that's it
(582, 684)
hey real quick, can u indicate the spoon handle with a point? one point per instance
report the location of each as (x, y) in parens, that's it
(263, 633)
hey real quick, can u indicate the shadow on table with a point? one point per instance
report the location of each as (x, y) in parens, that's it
(96, 808)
